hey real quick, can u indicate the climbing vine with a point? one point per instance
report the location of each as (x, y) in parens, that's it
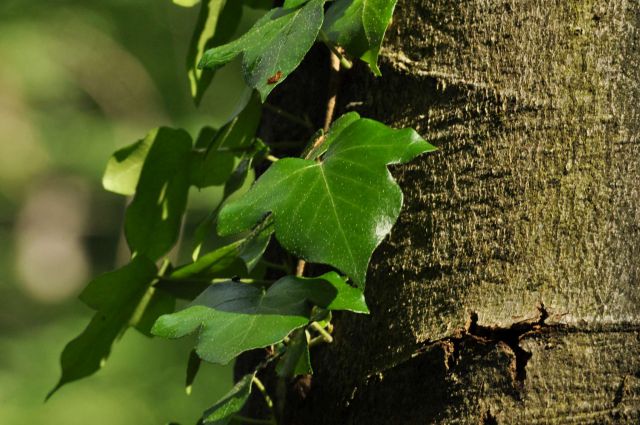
(333, 205)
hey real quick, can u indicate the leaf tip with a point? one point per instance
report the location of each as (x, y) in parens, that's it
(160, 328)
(53, 391)
(265, 90)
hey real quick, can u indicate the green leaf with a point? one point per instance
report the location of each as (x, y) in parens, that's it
(217, 156)
(117, 297)
(124, 167)
(193, 366)
(255, 247)
(212, 262)
(237, 258)
(217, 21)
(292, 4)
(224, 409)
(336, 128)
(186, 3)
(248, 249)
(359, 27)
(332, 292)
(205, 137)
(179, 284)
(153, 219)
(156, 303)
(296, 359)
(235, 317)
(238, 183)
(273, 47)
(336, 210)
(259, 4)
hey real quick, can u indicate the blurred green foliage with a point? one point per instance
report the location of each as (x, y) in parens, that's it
(78, 80)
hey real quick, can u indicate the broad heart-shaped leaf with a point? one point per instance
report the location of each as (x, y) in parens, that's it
(337, 210)
(273, 47)
(217, 21)
(224, 409)
(359, 27)
(235, 317)
(152, 220)
(117, 296)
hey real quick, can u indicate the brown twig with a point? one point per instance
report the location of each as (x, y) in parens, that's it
(334, 84)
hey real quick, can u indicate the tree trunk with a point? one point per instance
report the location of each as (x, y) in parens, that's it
(507, 292)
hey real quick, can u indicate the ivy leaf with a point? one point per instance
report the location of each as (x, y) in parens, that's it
(259, 4)
(236, 258)
(296, 359)
(335, 210)
(124, 167)
(222, 412)
(235, 317)
(359, 27)
(273, 47)
(217, 21)
(117, 297)
(212, 262)
(292, 4)
(217, 155)
(152, 220)
(336, 128)
(155, 304)
(249, 249)
(237, 183)
(338, 295)
(193, 366)
(186, 3)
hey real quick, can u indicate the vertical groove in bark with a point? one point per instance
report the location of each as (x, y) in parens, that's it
(534, 198)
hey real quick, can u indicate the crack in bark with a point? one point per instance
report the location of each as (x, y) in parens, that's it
(507, 336)
(511, 337)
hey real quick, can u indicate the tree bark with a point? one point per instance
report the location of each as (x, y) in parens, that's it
(507, 291)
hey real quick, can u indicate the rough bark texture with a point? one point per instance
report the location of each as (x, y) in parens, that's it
(507, 292)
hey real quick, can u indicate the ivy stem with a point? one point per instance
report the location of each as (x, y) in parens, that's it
(276, 266)
(248, 420)
(303, 122)
(267, 399)
(336, 50)
(212, 281)
(325, 335)
(334, 85)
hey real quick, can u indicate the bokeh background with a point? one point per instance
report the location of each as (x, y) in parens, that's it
(79, 79)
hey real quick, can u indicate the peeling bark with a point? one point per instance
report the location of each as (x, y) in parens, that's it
(533, 200)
